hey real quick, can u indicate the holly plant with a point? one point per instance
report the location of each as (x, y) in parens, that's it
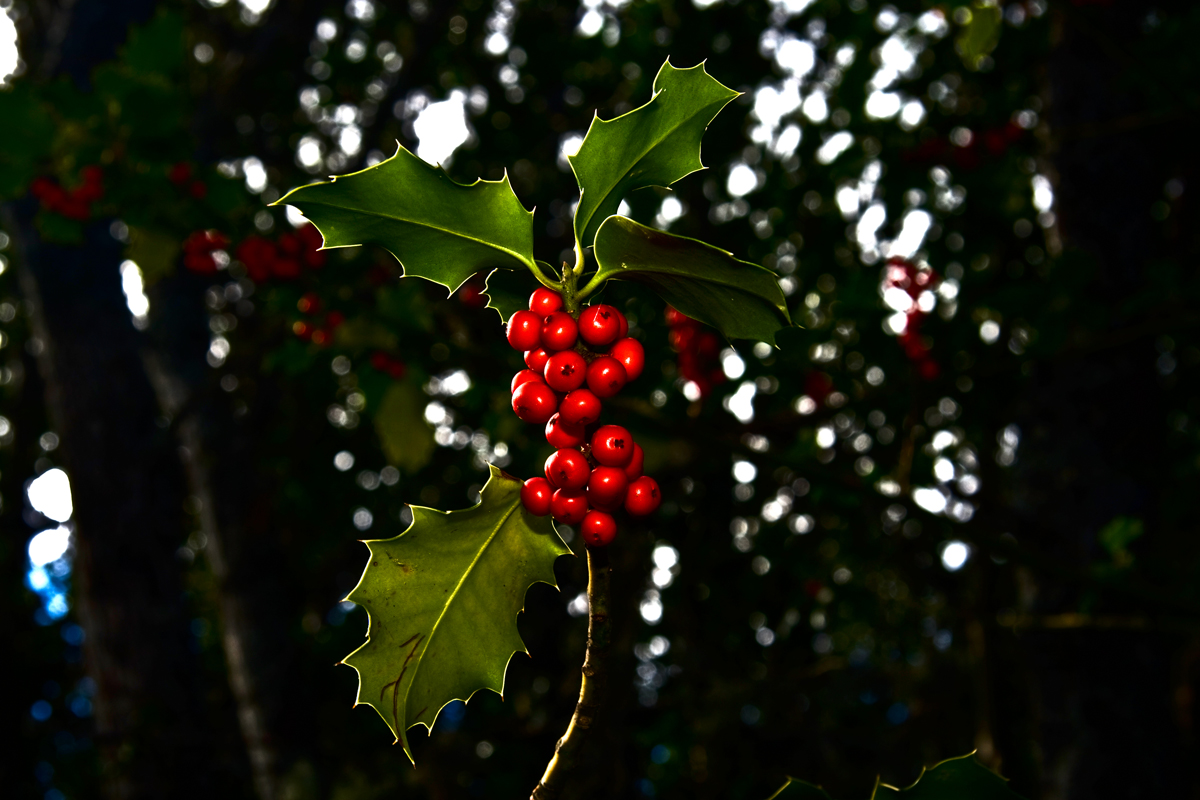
(443, 596)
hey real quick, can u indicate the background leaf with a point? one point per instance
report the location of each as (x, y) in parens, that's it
(653, 145)
(400, 422)
(438, 229)
(740, 299)
(961, 778)
(443, 599)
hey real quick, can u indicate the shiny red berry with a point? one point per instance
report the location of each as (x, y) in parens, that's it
(598, 529)
(535, 496)
(536, 360)
(580, 407)
(600, 325)
(606, 487)
(567, 469)
(525, 330)
(624, 331)
(524, 376)
(612, 446)
(631, 355)
(633, 470)
(534, 402)
(545, 302)
(643, 496)
(565, 371)
(569, 506)
(559, 331)
(606, 376)
(563, 434)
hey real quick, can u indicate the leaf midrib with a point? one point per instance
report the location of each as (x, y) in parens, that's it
(449, 601)
(642, 156)
(439, 229)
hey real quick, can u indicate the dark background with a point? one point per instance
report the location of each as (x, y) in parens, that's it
(214, 537)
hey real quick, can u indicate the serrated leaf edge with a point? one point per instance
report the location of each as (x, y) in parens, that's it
(596, 121)
(503, 181)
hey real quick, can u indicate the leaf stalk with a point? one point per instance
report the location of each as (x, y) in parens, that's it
(595, 679)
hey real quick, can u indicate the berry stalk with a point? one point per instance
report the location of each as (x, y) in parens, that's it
(595, 678)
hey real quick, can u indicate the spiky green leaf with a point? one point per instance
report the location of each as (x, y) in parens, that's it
(443, 599)
(653, 145)
(740, 299)
(438, 229)
(961, 778)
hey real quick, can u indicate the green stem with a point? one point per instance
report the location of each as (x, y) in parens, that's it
(595, 677)
(590, 287)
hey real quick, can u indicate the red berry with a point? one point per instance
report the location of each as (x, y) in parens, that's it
(606, 376)
(569, 506)
(91, 174)
(675, 319)
(180, 173)
(599, 325)
(198, 190)
(643, 496)
(524, 330)
(682, 339)
(580, 407)
(334, 319)
(545, 302)
(565, 371)
(631, 355)
(633, 470)
(535, 496)
(598, 529)
(534, 402)
(567, 469)
(708, 345)
(310, 303)
(559, 331)
(563, 434)
(606, 487)
(524, 376)
(624, 331)
(612, 446)
(536, 360)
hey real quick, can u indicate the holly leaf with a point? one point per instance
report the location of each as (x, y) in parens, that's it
(953, 779)
(437, 229)
(443, 599)
(740, 299)
(507, 293)
(653, 145)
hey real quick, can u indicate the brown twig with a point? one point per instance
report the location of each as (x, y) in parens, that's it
(595, 676)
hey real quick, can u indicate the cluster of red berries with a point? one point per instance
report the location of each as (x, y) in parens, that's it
(699, 351)
(573, 365)
(199, 250)
(319, 333)
(283, 258)
(388, 363)
(181, 175)
(903, 274)
(75, 203)
(970, 154)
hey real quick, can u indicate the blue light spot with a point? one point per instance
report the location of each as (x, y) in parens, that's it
(54, 794)
(43, 772)
(660, 754)
(81, 706)
(452, 716)
(38, 579)
(868, 698)
(72, 634)
(751, 715)
(41, 711)
(646, 787)
(897, 713)
(57, 607)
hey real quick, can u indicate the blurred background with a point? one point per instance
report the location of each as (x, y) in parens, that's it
(955, 512)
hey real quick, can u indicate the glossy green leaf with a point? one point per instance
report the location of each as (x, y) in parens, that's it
(740, 299)
(438, 229)
(653, 145)
(961, 778)
(443, 599)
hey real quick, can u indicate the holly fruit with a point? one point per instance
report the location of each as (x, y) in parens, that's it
(559, 331)
(643, 496)
(633, 470)
(600, 325)
(580, 407)
(567, 469)
(536, 360)
(606, 487)
(606, 376)
(565, 371)
(545, 302)
(524, 330)
(569, 506)
(535, 496)
(631, 355)
(563, 434)
(524, 376)
(612, 446)
(598, 529)
(534, 402)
